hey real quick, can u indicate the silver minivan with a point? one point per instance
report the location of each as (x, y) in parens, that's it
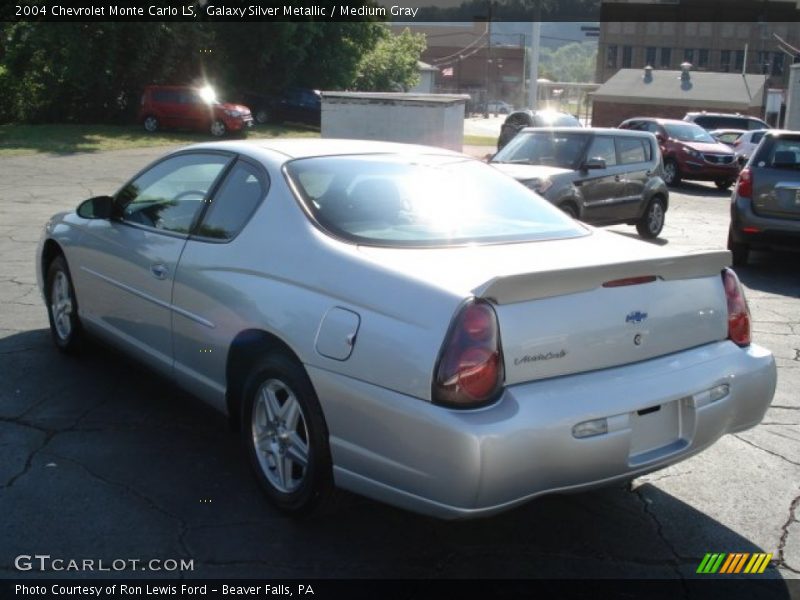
(600, 176)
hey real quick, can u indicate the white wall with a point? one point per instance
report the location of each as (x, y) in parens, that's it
(431, 119)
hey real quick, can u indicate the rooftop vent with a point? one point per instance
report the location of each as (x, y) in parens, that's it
(648, 74)
(685, 68)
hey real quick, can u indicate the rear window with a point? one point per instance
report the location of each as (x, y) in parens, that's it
(422, 200)
(554, 119)
(781, 153)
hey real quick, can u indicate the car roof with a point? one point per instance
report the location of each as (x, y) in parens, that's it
(660, 121)
(305, 147)
(589, 130)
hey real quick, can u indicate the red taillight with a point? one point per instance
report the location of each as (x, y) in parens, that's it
(470, 368)
(738, 312)
(745, 186)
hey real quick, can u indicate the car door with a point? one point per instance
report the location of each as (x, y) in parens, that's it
(601, 188)
(207, 306)
(127, 264)
(633, 153)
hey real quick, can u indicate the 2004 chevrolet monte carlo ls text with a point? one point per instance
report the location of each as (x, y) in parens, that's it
(406, 323)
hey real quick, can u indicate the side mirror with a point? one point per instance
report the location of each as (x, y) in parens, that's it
(99, 207)
(661, 138)
(591, 164)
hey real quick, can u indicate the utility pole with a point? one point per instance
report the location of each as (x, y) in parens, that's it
(533, 73)
(488, 60)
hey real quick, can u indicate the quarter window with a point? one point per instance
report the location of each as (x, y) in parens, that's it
(169, 196)
(234, 203)
(630, 149)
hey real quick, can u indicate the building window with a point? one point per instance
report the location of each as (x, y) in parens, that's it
(702, 58)
(777, 63)
(611, 57)
(725, 61)
(650, 56)
(762, 62)
(666, 58)
(627, 57)
(739, 64)
(688, 55)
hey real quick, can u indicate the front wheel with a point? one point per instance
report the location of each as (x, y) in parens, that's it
(286, 435)
(569, 209)
(218, 128)
(62, 308)
(652, 222)
(672, 175)
(262, 116)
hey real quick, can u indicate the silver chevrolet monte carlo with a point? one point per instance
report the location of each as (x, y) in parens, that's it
(406, 323)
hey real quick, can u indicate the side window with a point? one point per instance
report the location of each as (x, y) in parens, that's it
(170, 195)
(755, 125)
(603, 147)
(757, 137)
(630, 150)
(234, 203)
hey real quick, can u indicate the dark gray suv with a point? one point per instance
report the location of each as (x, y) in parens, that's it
(601, 176)
(765, 206)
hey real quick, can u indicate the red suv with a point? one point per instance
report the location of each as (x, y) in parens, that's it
(689, 151)
(186, 107)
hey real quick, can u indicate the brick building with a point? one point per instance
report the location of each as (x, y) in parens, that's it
(671, 94)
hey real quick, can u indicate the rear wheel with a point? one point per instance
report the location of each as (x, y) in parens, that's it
(723, 184)
(569, 209)
(672, 175)
(151, 124)
(286, 435)
(62, 308)
(218, 128)
(739, 251)
(262, 115)
(652, 222)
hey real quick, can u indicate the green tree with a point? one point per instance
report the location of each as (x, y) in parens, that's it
(573, 62)
(392, 64)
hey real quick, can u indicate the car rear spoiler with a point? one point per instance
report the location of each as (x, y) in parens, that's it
(546, 284)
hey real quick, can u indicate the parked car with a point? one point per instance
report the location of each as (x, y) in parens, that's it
(406, 322)
(689, 151)
(500, 107)
(746, 143)
(727, 136)
(187, 107)
(765, 206)
(709, 121)
(601, 176)
(533, 118)
(297, 105)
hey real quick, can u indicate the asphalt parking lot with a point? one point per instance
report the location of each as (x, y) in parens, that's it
(101, 459)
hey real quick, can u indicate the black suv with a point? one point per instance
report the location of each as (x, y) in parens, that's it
(533, 118)
(299, 105)
(601, 176)
(710, 121)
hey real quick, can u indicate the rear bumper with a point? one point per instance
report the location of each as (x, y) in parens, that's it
(462, 464)
(772, 231)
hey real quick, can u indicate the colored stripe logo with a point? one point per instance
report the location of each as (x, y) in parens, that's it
(736, 562)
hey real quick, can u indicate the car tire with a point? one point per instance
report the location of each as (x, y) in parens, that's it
(723, 184)
(62, 307)
(740, 252)
(652, 221)
(569, 209)
(151, 124)
(218, 128)
(672, 174)
(262, 116)
(286, 436)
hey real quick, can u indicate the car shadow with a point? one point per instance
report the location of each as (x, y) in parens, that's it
(773, 272)
(99, 448)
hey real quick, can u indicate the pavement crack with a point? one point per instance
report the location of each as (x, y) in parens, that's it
(781, 559)
(775, 454)
(676, 561)
(184, 527)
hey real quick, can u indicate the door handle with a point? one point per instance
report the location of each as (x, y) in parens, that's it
(159, 270)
